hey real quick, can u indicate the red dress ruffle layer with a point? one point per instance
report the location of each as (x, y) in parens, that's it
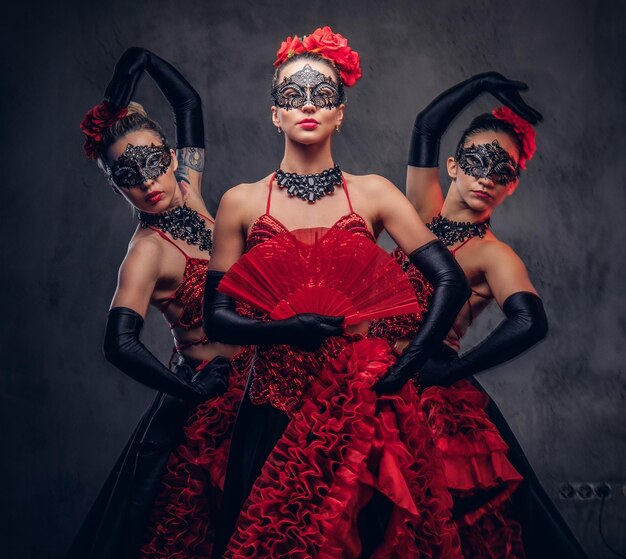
(185, 512)
(476, 466)
(473, 451)
(341, 445)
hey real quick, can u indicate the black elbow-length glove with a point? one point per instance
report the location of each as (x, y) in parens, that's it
(451, 291)
(525, 324)
(432, 122)
(123, 348)
(182, 97)
(222, 323)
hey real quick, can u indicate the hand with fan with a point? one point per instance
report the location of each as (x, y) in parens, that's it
(325, 271)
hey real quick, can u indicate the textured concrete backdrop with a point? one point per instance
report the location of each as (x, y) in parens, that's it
(66, 413)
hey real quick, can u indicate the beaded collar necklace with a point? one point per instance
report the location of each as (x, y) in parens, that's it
(182, 223)
(450, 232)
(312, 187)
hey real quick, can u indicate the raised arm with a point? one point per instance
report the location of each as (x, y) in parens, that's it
(524, 325)
(222, 322)
(182, 98)
(423, 188)
(137, 278)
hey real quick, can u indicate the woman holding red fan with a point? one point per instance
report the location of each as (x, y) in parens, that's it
(329, 456)
(499, 503)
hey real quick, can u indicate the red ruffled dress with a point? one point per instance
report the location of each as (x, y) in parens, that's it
(478, 472)
(322, 467)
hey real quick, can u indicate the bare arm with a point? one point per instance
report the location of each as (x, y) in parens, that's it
(122, 347)
(229, 230)
(424, 191)
(137, 276)
(399, 217)
(504, 271)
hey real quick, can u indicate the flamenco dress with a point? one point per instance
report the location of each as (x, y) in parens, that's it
(163, 495)
(500, 508)
(322, 467)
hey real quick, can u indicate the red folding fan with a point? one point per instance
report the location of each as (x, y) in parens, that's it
(326, 271)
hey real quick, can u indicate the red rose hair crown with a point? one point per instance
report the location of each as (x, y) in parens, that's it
(524, 130)
(96, 122)
(327, 44)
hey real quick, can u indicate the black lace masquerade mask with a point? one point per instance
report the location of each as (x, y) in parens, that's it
(308, 86)
(138, 164)
(488, 161)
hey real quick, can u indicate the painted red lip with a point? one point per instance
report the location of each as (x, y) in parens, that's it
(154, 197)
(308, 124)
(482, 195)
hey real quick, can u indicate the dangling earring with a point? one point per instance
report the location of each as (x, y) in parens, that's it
(337, 129)
(279, 130)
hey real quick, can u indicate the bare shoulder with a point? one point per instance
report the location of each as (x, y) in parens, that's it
(245, 194)
(370, 184)
(495, 253)
(375, 193)
(144, 249)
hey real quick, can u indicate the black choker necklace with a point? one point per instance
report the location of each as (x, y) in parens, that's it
(182, 223)
(450, 232)
(310, 187)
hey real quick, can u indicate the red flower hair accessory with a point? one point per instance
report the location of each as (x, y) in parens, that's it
(524, 130)
(329, 45)
(96, 122)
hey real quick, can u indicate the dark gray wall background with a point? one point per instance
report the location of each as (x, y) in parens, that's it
(66, 413)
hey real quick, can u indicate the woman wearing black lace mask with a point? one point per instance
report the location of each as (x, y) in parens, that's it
(173, 464)
(500, 507)
(329, 457)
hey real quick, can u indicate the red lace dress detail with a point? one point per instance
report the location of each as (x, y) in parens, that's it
(473, 451)
(404, 325)
(186, 510)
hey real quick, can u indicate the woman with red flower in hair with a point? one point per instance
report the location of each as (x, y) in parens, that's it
(329, 457)
(171, 472)
(500, 507)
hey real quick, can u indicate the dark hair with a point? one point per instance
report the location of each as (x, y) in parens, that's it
(486, 122)
(313, 56)
(136, 119)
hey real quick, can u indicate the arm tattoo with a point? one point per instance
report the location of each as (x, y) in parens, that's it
(189, 158)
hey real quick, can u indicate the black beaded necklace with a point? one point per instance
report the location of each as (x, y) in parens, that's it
(182, 223)
(310, 187)
(450, 232)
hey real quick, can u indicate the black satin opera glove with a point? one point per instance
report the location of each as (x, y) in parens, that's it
(182, 97)
(451, 290)
(124, 350)
(432, 122)
(525, 324)
(222, 323)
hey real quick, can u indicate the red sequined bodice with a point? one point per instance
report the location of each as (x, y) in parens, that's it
(189, 293)
(267, 226)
